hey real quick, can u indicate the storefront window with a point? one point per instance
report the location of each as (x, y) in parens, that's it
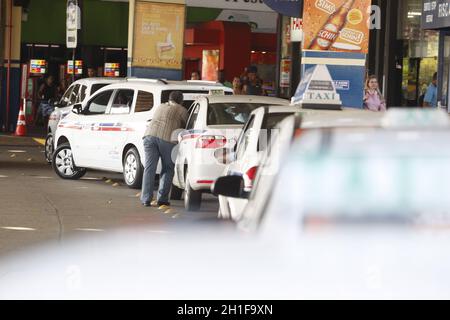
(420, 52)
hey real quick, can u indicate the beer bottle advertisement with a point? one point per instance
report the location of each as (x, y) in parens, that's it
(337, 25)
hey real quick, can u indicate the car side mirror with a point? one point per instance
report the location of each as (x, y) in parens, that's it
(230, 186)
(225, 155)
(77, 108)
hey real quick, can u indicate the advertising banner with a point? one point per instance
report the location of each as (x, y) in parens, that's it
(347, 72)
(210, 65)
(112, 69)
(78, 67)
(159, 35)
(337, 25)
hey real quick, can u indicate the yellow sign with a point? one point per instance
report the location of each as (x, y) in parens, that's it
(337, 25)
(158, 35)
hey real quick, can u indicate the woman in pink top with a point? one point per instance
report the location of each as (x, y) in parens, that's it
(373, 99)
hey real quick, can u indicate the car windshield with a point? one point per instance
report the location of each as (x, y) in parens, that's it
(230, 113)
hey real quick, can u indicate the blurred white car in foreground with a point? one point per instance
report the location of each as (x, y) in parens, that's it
(355, 214)
(244, 159)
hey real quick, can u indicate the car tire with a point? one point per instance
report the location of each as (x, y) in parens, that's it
(133, 171)
(63, 164)
(49, 148)
(176, 193)
(192, 198)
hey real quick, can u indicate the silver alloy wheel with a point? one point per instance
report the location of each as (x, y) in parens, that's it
(64, 162)
(131, 168)
(49, 148)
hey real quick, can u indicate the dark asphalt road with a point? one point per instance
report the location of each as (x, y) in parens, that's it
(38, 206)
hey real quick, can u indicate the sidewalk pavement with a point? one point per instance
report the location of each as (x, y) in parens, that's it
(35, 137)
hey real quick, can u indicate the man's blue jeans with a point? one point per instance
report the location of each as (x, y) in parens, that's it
(156, 148)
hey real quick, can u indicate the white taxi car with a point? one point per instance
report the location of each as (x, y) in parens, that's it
(78, 92)
(214, 123)
(261, 130)
(106, 132)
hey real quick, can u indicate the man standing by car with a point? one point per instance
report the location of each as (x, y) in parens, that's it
(159, 142)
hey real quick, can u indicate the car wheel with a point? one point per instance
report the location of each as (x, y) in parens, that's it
(176, 193)
(63, 164)
(49, 148)
(133, 170)
(192, 198)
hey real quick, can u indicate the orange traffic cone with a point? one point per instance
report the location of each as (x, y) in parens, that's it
(21, 129)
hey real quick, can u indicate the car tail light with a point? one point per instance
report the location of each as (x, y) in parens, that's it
(211, 142)
(251, 173)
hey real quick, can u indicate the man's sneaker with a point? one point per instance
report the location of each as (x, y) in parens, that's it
(146, 204)
(154, 203)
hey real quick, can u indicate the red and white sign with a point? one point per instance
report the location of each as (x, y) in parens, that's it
(296, 30)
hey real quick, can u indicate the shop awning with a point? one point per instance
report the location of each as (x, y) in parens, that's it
(286, 7)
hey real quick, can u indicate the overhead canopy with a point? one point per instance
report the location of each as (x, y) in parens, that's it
(287, 8)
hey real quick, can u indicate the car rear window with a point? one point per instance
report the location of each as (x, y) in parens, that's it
(230, 113)
(97, 86)
(188, 102)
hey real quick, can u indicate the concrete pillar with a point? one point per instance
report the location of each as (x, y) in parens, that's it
(10, 66)
(145, 37)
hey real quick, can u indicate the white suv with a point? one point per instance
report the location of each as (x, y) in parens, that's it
(78, 92)
(106, 132)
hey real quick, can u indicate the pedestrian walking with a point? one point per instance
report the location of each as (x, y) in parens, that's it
(430, 99)
(373, 99)
(159, 142)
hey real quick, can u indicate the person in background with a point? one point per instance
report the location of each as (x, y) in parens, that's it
(253, 86)
(92, 73)
(159, 141)
(237, 86)
(430, 99)
(195, 75)
(244, 76)
(63, 85)
(46, 95)
(373, 99)
(223, 80)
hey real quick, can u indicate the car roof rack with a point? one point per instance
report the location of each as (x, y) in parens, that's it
(203, 81)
